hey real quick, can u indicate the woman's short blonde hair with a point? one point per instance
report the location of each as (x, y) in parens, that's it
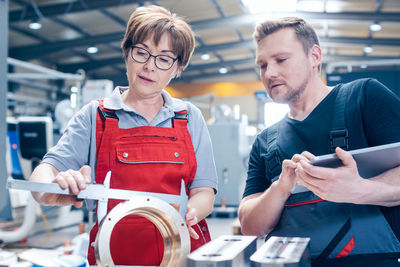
(155, 20)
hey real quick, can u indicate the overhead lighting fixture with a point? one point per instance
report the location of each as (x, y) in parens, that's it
(92, 50)
(363, 66)
(35, 25)
(368, 49)
(260, 6)
(223, 70)
(375, 27)
(140, 7)
(311, 6)
(205, 57)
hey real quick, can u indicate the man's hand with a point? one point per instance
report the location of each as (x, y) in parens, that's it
(288, 178)
(342, 184)
(75, 180)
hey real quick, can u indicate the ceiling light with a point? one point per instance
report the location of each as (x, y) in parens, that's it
(363, 66)
(140, 7)
(92, 50)
(259, 6)
(368, 49)
(205, 57)
(35, 25)
(375, 27)
(223, 70)
(311, 6)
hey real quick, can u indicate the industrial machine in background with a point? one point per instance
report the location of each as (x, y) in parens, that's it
(34, 139)
(231, 148)
(91, 90)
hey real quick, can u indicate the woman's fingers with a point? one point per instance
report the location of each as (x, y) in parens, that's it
(192, 232)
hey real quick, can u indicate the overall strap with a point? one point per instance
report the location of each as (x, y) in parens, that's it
(180, 119)
(103, 115)
(339, 136)
(274, 160)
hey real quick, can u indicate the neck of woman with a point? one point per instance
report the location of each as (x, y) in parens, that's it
(148, 107)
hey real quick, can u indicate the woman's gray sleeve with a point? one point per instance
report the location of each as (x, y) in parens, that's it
(206, 174)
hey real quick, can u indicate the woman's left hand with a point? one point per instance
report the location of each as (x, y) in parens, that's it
(191, 219)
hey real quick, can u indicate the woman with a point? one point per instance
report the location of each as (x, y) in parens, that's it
(149, 140)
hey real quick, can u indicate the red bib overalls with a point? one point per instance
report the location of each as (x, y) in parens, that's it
(150, 159)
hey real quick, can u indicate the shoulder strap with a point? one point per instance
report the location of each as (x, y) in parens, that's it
(105, 113)
(180, 119)
(339, 136)
(273, 158)
(102, 115)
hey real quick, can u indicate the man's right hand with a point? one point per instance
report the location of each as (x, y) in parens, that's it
(288, 178)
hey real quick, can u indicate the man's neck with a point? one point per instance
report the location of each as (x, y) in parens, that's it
(311, 97)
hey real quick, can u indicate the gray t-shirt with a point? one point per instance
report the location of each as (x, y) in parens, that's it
(77, 146)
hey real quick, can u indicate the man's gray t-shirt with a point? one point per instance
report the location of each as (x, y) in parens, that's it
(77, 146)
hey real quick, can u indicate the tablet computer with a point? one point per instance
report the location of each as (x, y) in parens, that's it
(371, 161)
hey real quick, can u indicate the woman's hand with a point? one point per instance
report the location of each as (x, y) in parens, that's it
(191, 219)
(75, 181)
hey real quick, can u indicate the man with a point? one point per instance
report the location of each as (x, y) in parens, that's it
(348, 218)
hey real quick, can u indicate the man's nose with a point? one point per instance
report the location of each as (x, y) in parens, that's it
(271, 72)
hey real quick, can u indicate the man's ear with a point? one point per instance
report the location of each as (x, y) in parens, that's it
(315, 56)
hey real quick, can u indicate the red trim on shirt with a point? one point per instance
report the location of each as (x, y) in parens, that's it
(304, 203)
(346, 250)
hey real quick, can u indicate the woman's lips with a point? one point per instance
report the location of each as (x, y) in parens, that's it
(145, 78)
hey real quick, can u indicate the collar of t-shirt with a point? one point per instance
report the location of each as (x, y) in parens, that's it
(114, 102)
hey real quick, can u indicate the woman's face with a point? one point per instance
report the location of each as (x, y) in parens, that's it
(146, 80)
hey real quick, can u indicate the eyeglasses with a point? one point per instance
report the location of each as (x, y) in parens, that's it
(141, 55)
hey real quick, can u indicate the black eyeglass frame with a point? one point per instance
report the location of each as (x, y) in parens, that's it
(150, 55)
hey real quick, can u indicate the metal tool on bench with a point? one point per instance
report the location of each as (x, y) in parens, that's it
(226, 250)
(283, 252)
(153, 206)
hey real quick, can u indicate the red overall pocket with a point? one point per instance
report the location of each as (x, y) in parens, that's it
(150, 167)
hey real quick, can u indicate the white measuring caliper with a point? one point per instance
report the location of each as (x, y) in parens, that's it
(101, 192)
(153, 206)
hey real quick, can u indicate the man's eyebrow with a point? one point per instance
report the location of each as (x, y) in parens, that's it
(280, 54)
(259, 61)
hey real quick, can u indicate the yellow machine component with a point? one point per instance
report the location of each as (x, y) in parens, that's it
(186, 90)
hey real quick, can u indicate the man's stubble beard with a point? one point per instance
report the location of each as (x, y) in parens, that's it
(293, 95)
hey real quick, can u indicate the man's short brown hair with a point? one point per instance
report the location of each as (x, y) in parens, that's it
(304, 31)
(155, 20)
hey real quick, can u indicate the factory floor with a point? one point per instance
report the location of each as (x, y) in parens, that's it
(61, 239)
(217, 226)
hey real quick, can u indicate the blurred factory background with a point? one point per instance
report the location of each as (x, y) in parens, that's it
(60, 54)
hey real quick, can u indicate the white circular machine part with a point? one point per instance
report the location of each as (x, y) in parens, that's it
(166, 218)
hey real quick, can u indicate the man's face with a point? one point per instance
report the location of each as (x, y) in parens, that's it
(285, 68)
